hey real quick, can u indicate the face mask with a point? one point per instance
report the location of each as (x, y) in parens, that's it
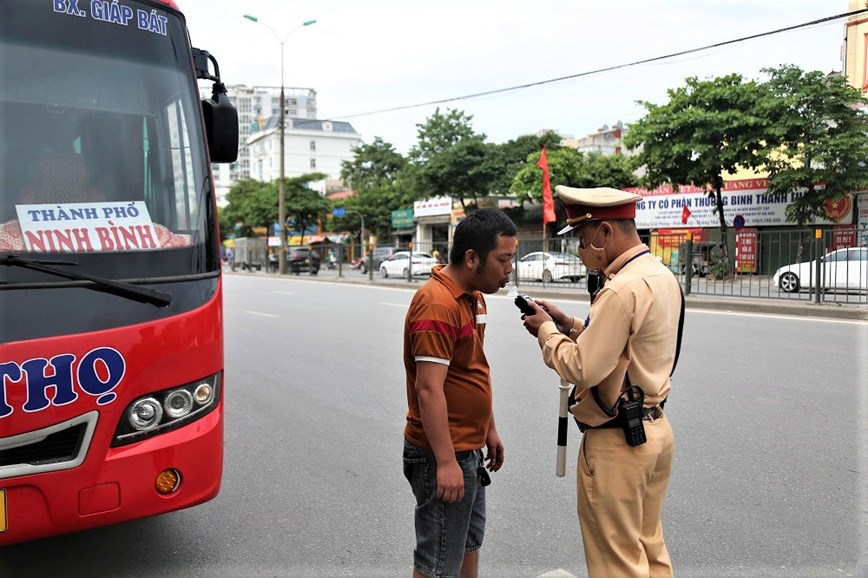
(593, 257)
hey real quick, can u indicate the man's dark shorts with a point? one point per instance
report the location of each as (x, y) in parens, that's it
(444, 532)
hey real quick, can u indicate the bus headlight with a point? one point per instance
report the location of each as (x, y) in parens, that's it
(204, 393)
(168, 409)
(145, 414)
(178, 403)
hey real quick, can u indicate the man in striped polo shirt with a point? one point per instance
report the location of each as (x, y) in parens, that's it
(450, 416)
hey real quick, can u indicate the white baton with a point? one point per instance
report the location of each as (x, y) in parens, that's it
(561, 466)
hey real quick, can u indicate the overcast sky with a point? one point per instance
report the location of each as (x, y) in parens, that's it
(373, 55)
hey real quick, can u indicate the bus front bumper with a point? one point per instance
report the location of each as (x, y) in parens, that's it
(119, 487)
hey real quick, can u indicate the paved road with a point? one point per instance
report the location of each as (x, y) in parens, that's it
(730, 298)
(769, 414)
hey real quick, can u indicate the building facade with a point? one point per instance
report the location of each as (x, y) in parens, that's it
(255, 105)
(311, 146)
(855, 51)
(605, 140)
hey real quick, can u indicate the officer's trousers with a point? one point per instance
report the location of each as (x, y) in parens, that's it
(620, 499)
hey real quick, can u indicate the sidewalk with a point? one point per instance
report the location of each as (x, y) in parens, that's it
(765, 305)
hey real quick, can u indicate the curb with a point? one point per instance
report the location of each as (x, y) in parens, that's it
(768, 306)
(744, 305)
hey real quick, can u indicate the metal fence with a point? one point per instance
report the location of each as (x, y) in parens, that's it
(796, 265)
(784, 264)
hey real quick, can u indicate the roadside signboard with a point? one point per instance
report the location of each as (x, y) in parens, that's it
(746, 250)
(402, 219)
(747, 198)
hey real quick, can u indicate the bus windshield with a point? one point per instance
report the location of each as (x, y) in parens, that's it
(102, 161)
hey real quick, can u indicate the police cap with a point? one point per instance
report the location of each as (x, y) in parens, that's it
(600, 203)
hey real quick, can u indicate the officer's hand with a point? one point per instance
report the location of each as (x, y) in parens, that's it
(450, 482)
(556, 313)
(532, 322)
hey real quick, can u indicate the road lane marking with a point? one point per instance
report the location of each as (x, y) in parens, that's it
(284, 292)
(557, 573)
(402, 305)
(261, 314)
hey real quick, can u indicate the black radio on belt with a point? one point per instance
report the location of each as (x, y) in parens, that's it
(630, 415)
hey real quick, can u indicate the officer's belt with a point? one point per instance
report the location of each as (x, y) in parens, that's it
(648, 413)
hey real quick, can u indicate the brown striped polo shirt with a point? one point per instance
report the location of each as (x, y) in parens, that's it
(445, 324)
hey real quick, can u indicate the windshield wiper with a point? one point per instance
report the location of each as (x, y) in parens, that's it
(133, 292)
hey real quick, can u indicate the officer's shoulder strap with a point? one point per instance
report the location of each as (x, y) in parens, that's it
(680, 331)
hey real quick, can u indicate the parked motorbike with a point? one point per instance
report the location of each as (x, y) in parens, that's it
(358, 264)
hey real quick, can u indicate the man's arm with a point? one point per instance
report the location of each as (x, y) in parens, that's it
(430, 377)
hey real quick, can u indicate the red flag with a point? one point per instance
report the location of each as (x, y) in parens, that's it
(685, 214)
(548, 200)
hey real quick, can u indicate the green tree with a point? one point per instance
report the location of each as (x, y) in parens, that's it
(460, 171)
(374, 176)
(573, 169)
(707, 129)
(374, 165)
(439, 132)
(614, 171)
(508, 158)
(227, 227)
(449, 159)
(305, 207)
(822, 137)
(252, 204)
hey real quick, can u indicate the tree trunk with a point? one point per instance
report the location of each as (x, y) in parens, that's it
(801, 221)
(724, 249)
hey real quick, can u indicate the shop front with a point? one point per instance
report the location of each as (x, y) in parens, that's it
(433, 219)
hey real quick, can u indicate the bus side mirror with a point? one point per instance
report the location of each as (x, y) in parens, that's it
(221, 126)
(221, 118)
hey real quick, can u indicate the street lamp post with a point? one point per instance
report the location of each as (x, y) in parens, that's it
(281, 185)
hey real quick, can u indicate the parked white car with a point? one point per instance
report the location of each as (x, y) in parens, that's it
(399, 264)
(844, 270)
(548, 267)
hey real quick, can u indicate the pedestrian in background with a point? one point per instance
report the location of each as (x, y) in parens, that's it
(450, 415)
(230, 257)
(620, 360)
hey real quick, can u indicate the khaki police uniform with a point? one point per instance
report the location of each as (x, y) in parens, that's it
(631, 331)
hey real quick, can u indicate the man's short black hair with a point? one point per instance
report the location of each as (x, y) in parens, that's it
(479, 231)
(627, 225)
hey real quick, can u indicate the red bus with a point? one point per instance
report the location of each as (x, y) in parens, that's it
(111, 337)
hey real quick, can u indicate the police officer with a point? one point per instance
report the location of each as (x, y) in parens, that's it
(620, 359)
